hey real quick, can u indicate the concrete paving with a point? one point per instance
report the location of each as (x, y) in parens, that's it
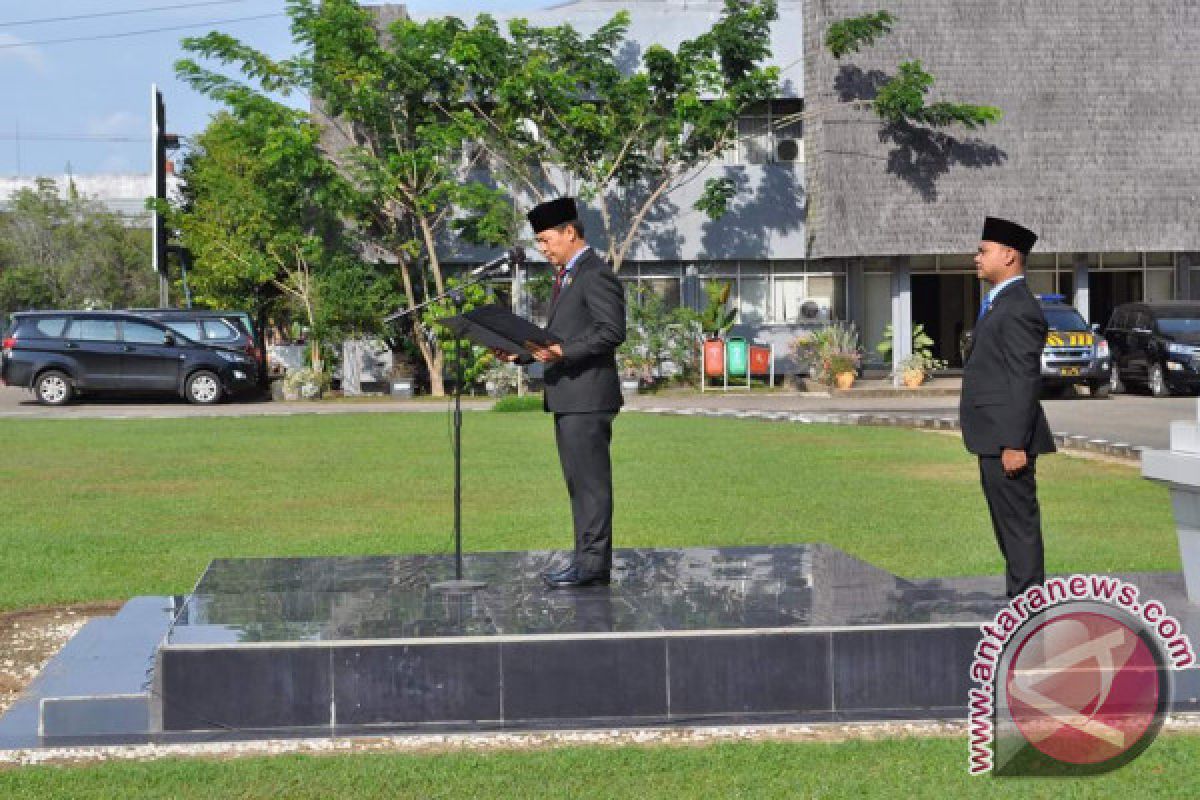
(1128, 418)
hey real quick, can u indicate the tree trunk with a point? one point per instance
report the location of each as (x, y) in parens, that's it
(431, 355)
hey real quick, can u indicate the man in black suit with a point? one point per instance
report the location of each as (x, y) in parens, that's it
(587, 313)
(1001, 415)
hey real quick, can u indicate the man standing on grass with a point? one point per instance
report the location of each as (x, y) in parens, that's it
(999, 410)
(587, 313)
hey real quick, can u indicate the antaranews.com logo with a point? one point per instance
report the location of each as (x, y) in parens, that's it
(1072, 677)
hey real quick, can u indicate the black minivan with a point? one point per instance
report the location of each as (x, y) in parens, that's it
(60, 354)
(1156, 345)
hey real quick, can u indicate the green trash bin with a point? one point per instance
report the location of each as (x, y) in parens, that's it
(735, 357)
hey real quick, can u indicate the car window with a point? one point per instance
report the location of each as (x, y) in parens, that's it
(219, 330)
(185, 328)
(93, 330)
(1119, 320)
(1064, 319)
(141, 333)
(1174, 326)
(1140, 321)
(49, 327)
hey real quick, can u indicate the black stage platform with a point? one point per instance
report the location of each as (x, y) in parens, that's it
(323, 646)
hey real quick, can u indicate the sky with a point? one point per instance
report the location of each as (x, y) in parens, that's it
(84, 105)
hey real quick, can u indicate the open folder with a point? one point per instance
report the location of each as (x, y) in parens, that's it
(496, 327)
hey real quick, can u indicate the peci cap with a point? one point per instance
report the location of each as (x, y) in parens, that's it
(1008, 233)
(551, 213)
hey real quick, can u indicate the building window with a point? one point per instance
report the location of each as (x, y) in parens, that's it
(772, 133)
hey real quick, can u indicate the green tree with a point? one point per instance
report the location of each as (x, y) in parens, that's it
(556, 113)
(902, 98)
(261, 218)
(378, 89)
(65, 250)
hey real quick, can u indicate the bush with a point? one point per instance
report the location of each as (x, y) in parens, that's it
(529, 402)
(305, 384)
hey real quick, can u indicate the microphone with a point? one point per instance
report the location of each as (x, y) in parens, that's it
(500, 264)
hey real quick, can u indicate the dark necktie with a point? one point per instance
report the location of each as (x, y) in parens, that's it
(558, 282)
(987, 303)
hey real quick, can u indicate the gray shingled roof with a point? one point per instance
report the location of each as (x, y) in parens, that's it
(1099, 148)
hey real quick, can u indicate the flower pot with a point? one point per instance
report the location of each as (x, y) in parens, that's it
(844, 380)
(913, 378)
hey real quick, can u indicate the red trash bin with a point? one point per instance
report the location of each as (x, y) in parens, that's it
(760, 360)
(714, 358)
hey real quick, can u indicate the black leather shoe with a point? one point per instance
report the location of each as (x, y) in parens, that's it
(558, 574)
(573, 579)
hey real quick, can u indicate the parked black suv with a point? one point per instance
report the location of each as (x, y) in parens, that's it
(229, 329)
(59, 354)
(1156, 345)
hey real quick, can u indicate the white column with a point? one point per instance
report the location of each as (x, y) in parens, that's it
(901, 316)
(1082, 300)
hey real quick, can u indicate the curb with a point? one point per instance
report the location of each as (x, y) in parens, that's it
(1065, 441)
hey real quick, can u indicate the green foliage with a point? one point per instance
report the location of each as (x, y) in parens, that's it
(832, 349)
(853, 33)
(654, 335)
(512, 402)
(717, 317)
(476, 359)
(921, 359)
(717, 195)
(400, 182)
(558, 114)
(903, 99)
(305, 384)
(65, 250)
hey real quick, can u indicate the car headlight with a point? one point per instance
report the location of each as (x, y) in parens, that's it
(236, 358)
(1101, 347)
(1180, 349)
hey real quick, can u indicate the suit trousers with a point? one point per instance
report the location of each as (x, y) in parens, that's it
(1016, 520)
(583, 450)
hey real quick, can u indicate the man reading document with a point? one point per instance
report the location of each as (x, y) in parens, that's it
(587, 317)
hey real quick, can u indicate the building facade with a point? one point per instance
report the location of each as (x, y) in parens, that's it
(843, 217)
(1097, 152)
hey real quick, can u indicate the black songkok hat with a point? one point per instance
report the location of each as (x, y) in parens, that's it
(1008, 233)
(552, 213)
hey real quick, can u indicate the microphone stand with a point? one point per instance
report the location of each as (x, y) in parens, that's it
(456, 296)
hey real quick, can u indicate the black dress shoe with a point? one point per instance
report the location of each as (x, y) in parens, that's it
(574, 579)
(558, 574)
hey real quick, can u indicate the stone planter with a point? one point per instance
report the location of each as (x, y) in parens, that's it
(1179, 468)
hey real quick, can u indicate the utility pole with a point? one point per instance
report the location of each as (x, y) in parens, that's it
(160, 142)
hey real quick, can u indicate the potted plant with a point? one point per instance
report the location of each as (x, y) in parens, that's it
(305, 383)
(916, 368)
(833, 353)
(843, 367)
(636, 368)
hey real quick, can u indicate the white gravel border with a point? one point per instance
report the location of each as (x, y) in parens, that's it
(519, 740)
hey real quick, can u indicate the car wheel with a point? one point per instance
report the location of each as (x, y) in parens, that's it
(1115, 386)
(1100, 390)
(53, 388)
(203, 388)
(1157, 383)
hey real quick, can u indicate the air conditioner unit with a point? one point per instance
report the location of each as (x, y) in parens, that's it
(814, 309)
(789, 151)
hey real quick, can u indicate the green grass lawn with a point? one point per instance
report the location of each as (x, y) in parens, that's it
(897, 768)
(108, 509)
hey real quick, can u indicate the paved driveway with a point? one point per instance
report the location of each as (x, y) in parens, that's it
(1131, 419)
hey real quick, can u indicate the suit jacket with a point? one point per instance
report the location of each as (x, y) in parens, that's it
(1002, 378)
(589, 317)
